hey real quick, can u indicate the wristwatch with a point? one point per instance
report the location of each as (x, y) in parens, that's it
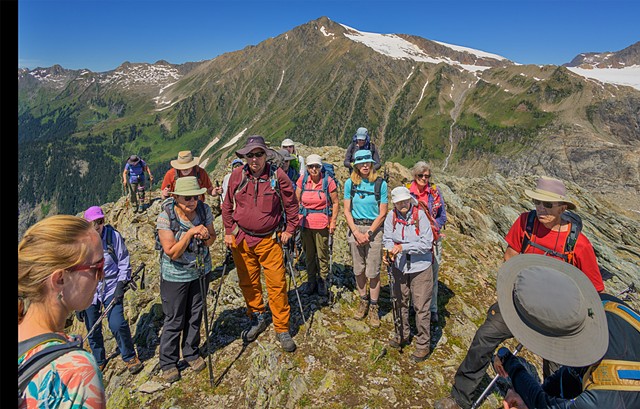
(370, 234)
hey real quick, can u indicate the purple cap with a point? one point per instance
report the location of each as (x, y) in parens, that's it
(93, 213)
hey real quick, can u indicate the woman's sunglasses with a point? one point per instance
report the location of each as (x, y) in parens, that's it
(254, 154)
(423, 175)
(189, 198)
(97, 269)
(314, 166)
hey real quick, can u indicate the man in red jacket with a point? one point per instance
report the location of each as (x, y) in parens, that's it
(259, 204)
(187, 165)
(546, 233)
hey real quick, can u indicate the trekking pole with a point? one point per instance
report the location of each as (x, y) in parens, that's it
(330, 278)
(202, 277)
(486, 391)
(227, 261)
(392, 281)
(130, 284)
(631, 288)
(287, 259)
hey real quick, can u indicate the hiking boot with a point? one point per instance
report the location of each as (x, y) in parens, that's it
(322, 287)
(398, 342)
(256, 326)
(447, 403)
(420, 354)
(434, 318)
(286, 341)
(197, 364)
(171, 375)
(363, 307)
(374, 318)
(134, 365)
(311, 287)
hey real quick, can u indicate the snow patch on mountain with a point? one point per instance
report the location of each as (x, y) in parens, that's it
(234, 139)
(398, 48)
(477, 53)
(324, 32)
(141, 74)
(629, 76)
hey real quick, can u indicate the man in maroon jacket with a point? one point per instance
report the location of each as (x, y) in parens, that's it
(259, 204)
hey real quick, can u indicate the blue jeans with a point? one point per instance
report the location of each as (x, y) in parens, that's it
(119, 328)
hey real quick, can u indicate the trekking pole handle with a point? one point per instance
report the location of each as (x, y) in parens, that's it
(477, 403)
(134, 276)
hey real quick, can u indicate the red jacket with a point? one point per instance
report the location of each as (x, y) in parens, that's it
(258, 210)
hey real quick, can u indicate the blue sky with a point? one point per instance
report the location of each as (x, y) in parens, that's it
(100, 34)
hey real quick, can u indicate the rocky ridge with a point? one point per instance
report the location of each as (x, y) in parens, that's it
(340, 361)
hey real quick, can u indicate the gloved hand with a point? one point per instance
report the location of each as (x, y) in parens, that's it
(118, 296)
(80, 316)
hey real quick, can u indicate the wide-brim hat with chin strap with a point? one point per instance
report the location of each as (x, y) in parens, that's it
(253, 141)
(553, 309)
(185, 161)
(550, 190)
(188, 186)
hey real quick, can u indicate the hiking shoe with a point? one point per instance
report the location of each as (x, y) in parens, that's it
(286, 341)
(171, 375)
(197, 364)
(134, 365)
(322, 287)
(311, 287)
(398, 343)
(434, 318)
(102, 366)
(447, 403)
(256, 326)
(374, 318)
(420, 354)
(363, 307)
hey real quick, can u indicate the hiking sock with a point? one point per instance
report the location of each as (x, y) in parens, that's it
(365, 297)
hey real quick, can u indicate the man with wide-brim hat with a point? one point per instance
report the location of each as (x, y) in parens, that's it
(553, 310)
(259, 206)
(547, 230)
(187, 165)
(133, 178)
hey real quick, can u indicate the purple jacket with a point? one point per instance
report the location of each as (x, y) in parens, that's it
(114, 270)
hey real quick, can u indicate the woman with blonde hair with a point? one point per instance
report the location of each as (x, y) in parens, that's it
(60, 262)
(365, 208)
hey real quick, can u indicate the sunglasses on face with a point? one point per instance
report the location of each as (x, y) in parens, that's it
(189, 198)
(254, 154)
(314, 166)
(97, 269)
(547, 205)
(98, 222)
(423, 175)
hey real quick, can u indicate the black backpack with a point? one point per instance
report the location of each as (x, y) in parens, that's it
(174, 224)
(30, 367)
(575, 226)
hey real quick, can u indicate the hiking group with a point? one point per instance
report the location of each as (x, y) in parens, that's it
(550, 290)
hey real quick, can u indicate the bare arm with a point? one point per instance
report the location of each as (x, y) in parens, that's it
(509, 252)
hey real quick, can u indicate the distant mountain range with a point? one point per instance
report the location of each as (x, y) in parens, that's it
(467, 111)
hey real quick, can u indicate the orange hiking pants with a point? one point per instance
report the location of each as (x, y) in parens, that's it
(268, 254)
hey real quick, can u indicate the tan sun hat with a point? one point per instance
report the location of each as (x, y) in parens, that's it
(553, 309)
(185, 161)
(550, 190)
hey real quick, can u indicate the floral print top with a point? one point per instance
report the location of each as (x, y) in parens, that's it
(72, 381)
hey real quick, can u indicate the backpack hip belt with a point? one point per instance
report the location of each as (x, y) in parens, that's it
(252, 233)
(363, 222)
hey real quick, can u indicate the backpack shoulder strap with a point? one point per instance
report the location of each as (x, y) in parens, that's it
(110, 231)
(30, 367)
(528, 231)
(377, 188)
(574, 232)
(202, 212)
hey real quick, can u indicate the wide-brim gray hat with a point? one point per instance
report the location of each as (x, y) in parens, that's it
(285, 154)
(188, 186)
(553, 309)
(550, 190)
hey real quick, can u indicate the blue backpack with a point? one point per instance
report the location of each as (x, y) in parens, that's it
(327, 171)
